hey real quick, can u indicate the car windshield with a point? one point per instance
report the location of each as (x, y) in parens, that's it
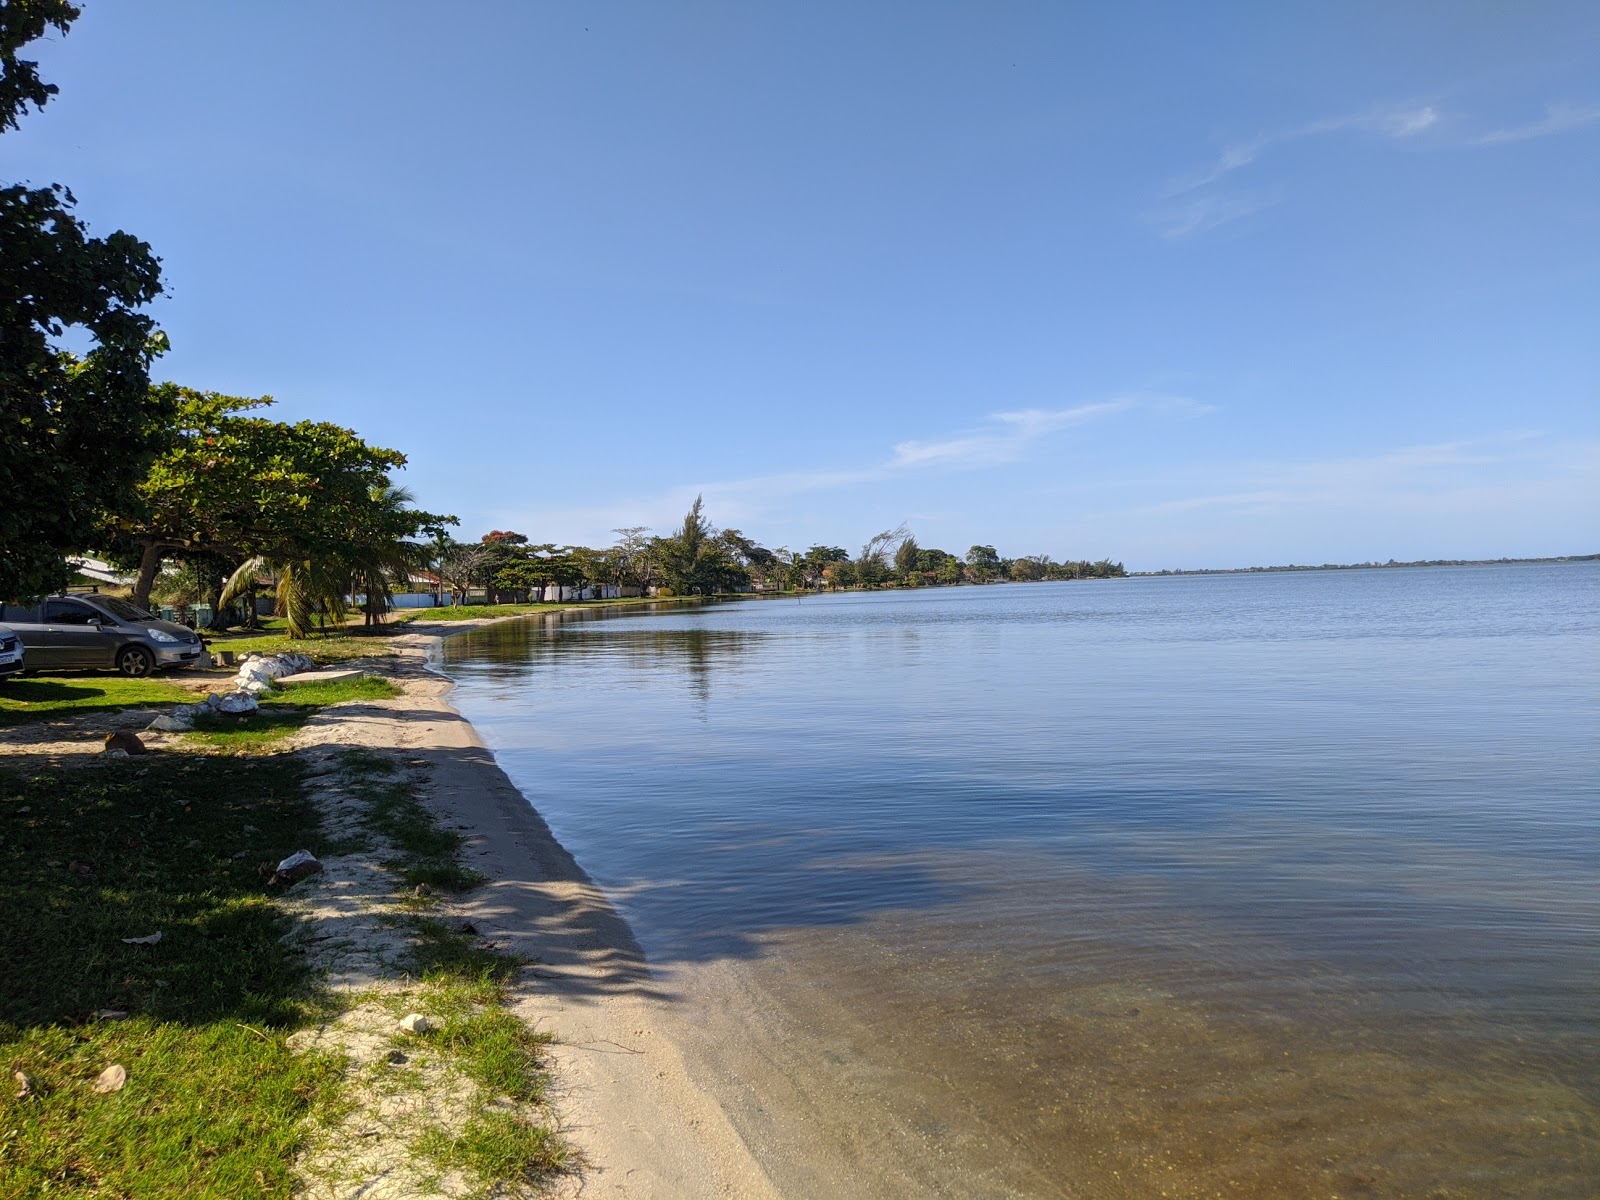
(122, 609)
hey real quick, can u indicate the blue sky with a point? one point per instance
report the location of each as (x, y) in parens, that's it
(1185, 285)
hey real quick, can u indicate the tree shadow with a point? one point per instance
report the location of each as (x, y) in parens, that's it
(91, 858)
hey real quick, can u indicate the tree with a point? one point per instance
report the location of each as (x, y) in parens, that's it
(872, 568)
(908, 558)
(983, 564)
(202, 494)
(635, 558)
(502, 548)
(817, 562)
(695, 561)
(459, 566)
(76, 433)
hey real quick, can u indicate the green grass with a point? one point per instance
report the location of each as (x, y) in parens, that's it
(464, 990)
(427, 854)
(282, 712)
(214, 1102)
(340, 643)
(504, 1057)
(24, 700)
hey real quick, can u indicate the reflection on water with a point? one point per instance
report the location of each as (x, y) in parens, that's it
(1243, 886)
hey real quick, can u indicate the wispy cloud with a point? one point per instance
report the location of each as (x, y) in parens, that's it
(1001, 438)
(1392, 123)
(1558, 118)
(1006, 435)
(1198, 202)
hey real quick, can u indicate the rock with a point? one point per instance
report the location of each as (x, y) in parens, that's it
(150, 939)
(111, 1079)
(224, 657)
(24, 1085)
(232, 703)
(126, 742)
(178, 722)
(422, 889)
(115, 753)
(110, 1014)
(415, 1023)
(302, 864)
(255, 686)
(80, 868)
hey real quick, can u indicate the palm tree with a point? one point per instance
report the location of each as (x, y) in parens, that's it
(368, 558)
(303, 586)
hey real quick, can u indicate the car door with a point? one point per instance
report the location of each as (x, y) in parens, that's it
(74, 642)
(28, 622)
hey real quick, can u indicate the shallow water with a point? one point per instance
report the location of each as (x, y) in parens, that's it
(1268, 885)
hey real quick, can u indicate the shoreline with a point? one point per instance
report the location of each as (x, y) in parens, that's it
(622, 1090)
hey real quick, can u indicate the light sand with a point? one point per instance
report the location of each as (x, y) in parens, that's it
(623, 1093)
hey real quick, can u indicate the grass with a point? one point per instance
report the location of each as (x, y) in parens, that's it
(339, 643)
(462, 987)
(426, 854)
(282, 712)
(24, 700)
(214, 1103)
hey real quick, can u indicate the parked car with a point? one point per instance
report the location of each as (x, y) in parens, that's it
(11, 654)
(99, 633)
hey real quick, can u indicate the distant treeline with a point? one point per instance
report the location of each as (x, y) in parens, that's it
(699, 559)
(1370, 566)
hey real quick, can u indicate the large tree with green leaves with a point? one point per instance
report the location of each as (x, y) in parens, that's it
(238, 486)
(696, 561)
(76, 432)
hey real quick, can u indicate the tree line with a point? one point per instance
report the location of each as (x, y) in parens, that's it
(698, 559)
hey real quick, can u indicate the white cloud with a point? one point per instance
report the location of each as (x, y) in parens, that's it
(1197, 203)
(1393, 123)
(1558, 118)
(1002, 438)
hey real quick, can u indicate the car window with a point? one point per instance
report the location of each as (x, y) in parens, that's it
(122, 609)
(67, 612)
(20, 614)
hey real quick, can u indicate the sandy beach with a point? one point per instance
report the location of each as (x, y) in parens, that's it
(623, 1094)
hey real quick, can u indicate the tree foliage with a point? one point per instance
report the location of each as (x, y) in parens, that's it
(77, 432)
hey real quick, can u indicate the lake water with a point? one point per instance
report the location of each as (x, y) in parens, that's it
(1250, 886)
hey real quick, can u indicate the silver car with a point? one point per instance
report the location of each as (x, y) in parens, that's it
(10, 652)
(99, 633)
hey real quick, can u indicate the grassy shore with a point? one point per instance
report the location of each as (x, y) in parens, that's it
(217, 1101)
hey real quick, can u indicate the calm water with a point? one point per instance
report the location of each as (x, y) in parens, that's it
(1270, 885)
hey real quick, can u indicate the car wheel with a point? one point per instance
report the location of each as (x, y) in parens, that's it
(135, 662)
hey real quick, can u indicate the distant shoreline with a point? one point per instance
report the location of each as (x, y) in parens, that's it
(1370, 566)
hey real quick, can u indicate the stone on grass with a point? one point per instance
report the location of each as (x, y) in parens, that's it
(111, 1079)
(232, 703)
(415, 1023)
(177, 722)
(24, 1085)
(302, 864)
(150, 939)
